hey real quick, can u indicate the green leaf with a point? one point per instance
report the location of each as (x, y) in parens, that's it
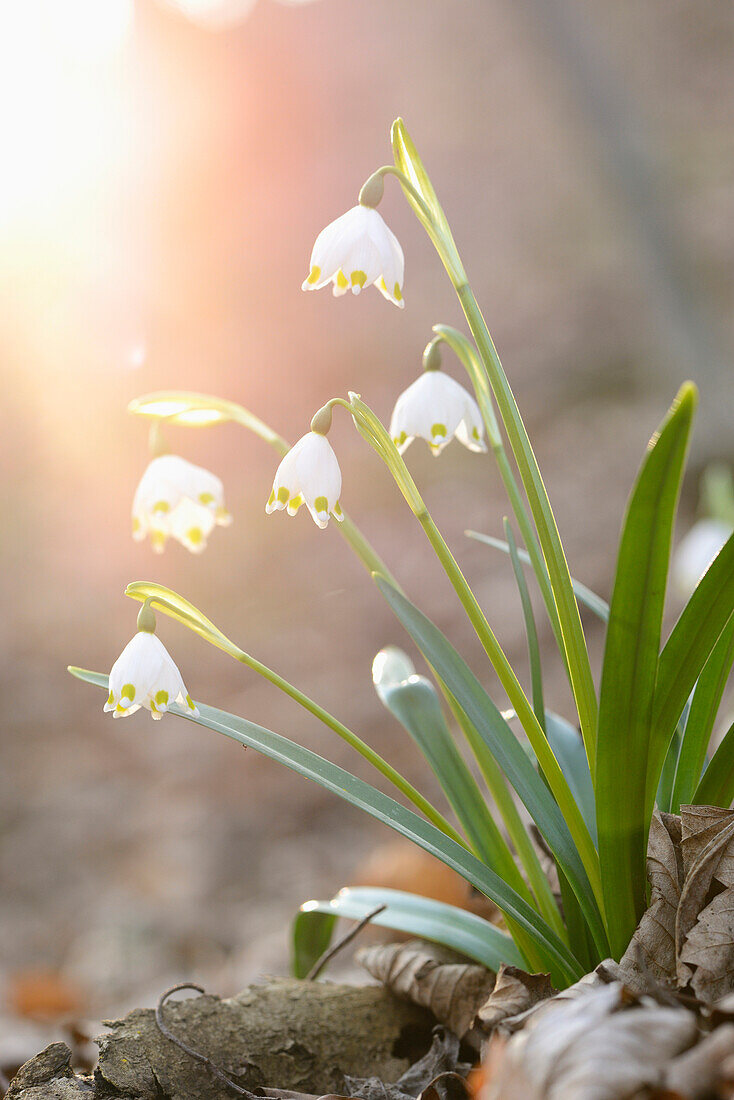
(717, 785)
(568, 749)
(701, 717)
(531, 634)
(583, 594)
(686, 651)
(560, 960)
(414, 702)
(412, 699)
(423, 917)
(561, 825)
(629, 672)
(310, 938)
(579, 666)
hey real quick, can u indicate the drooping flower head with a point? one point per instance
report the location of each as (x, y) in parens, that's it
(176, 499)
(436, 408)
(309, 474)
(355, 251)
(145, 675)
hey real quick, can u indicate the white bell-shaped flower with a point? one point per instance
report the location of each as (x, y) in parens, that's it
(309, 474)
(177, 499)
(145, 675)
(355, 251)
(436, 408)
(695, 552)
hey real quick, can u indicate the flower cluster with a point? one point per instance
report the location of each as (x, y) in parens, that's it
(176, 499)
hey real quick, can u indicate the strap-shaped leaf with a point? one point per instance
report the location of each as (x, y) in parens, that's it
(436, 921)
(568, 749)
(412, 699)
(414, 702)
(560, 960)
(717, 785)
(531, 633)
(582, 592)
(701, 717)
(555, 814)
(630, 668)
(687, 650)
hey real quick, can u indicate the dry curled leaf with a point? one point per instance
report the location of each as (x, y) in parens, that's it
(707, 1067)
(599, 1045)
(418, 972)
(438, 1074)
(705, 924)
(651, 953)
(514, 992)
(686, 936)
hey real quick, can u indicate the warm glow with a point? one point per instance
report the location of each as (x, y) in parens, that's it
(54, 56)
(214, 14)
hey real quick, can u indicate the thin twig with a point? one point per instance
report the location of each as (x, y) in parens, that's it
(202, 1058)
(329, 954)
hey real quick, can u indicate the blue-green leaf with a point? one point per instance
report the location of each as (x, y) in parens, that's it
(423, 917)
(560, 960)
(701, 717)
(479, 708)
(582, 592)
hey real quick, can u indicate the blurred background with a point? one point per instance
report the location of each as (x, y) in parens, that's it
(166, 168)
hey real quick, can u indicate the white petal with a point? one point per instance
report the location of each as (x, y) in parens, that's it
(431, 408)
(191, 525)
(144, 668)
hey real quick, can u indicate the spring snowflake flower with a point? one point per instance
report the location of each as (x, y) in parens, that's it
(696, 551)
(309, 474)
(436, 408)
(145, 675)
(355, 251)
(179, 500)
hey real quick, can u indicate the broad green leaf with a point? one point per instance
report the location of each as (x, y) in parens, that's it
(310, 938)
(583, 594)
(717, 785)
(568, 749)
(629, 672)
(560, 959)
(555, 814)
(531, 634)
(423, 917)
(686, 651)
(701, 717)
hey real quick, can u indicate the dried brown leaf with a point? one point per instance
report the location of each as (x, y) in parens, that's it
(452, 991)
(595, 1046)
(514, 992)
(706, 902)
(651, 953)
(702, 1070)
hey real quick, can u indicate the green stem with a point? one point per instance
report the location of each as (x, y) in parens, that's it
(509, 813)
(170, 603)
(473, 365)
(582, 681)
(354, 741)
